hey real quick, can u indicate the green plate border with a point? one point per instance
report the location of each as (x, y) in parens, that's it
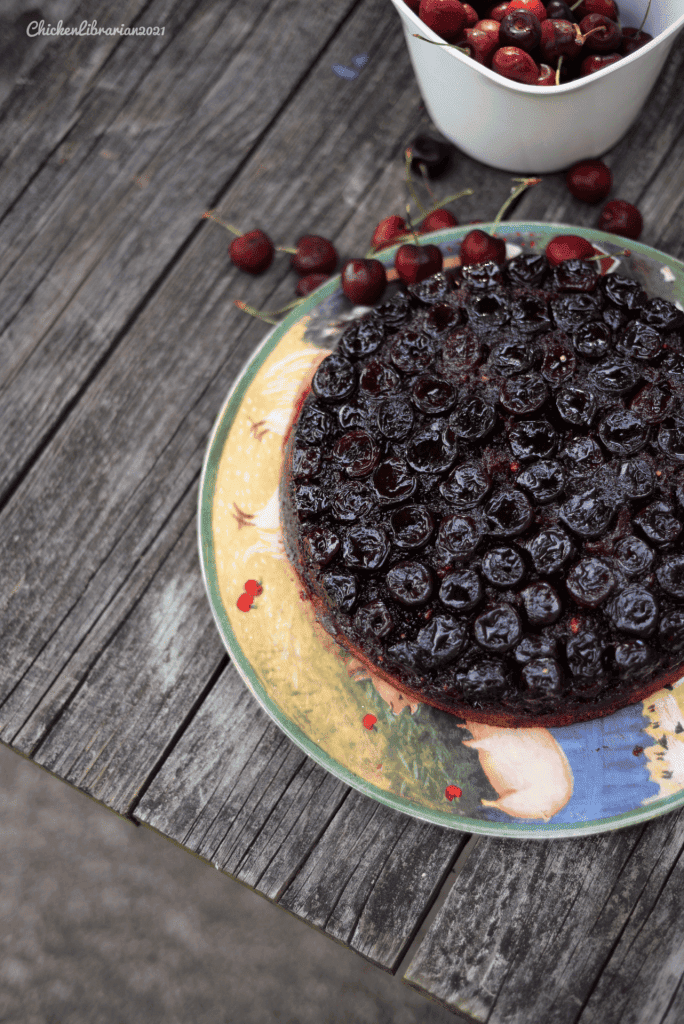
(510, 231)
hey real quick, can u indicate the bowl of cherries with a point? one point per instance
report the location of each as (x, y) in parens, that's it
(536, 85)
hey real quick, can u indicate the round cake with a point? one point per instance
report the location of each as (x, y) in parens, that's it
(483, 492)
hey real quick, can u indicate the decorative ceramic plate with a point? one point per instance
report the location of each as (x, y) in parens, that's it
(539, 783)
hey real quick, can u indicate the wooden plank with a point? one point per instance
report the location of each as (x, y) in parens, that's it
(585, 930)
(237, 792)
(87, 240)
(97, 500)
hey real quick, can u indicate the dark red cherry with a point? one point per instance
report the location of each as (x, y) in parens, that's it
(547, 76)
(535, 7)
(438, 219)
(445, 17)
(597, 62)
(516, 64)
(520, 28)
(252, 252)
(621, 218)
(601, 35)
(388, 230)
(498, 13)
(432, 155)
(363, 281)
(608, 8)
(482, 40)
(479, 247)
(568, 247)
(559, 38)
(559, 10)
(413, 5)
(633, 39)
(314, 255)
(589, 180)
(414, 263)
(472, 17)
(308, 284)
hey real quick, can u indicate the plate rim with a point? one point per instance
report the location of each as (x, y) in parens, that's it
(214, 448)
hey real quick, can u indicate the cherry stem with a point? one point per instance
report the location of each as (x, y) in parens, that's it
(576, 5)
(518, 190)
(212, 215)
(449, 199)
(644, 18)
(452, 46)
(607, 255)
(424, 174)
(262, 314)
(560, 61)
(388, 245)
(410, 224)
(284, 248)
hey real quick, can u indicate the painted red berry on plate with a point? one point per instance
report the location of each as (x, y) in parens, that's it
(479, 247)
(445, 17)
(437, 219)
(252, 252)
(253, 588)
(414, 263)
(244, 602)
(314, 255)
(308, 284)
(621, 218)
(453, 793)
(568, 247)
(514, 63)
(369, 721)
(589, 180)
(363, 281)
(388, 230)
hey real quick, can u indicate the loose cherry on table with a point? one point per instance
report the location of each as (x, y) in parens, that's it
(437, 219)
(431, 155)
(568, 247)
(252, 252)
(388, 230)
(314, 255)
(621, 218)
(415, 263)
(589, 180)
(363, 281)
(309, 283)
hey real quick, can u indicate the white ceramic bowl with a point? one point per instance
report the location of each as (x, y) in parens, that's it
(533, 129)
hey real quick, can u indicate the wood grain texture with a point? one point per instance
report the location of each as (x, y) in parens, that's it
(578, 930)
(237, 792)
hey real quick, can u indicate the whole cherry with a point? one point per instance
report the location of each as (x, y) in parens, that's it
(568, 247)
(559, 39)
(559, 10)
(438, 219)
(516, 64)
(520, 28)
(633, 39)
(482, 40)
(472, 17)
(445, 17)
(363, 281)
(432, 155)
(597, 62)
(535, 7)
(309, 283)
(479, 247)
(608, 8)
(589, 180)
(413, 5)
(499, 12)
(387, 230)
(601, 35)
(252, 252)
(314, 254)
(414, 263)
(547, 76)
(621, 218)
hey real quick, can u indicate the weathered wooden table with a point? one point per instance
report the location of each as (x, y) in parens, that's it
(120, 341)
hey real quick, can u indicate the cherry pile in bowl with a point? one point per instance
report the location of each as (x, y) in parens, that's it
(533, 42)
